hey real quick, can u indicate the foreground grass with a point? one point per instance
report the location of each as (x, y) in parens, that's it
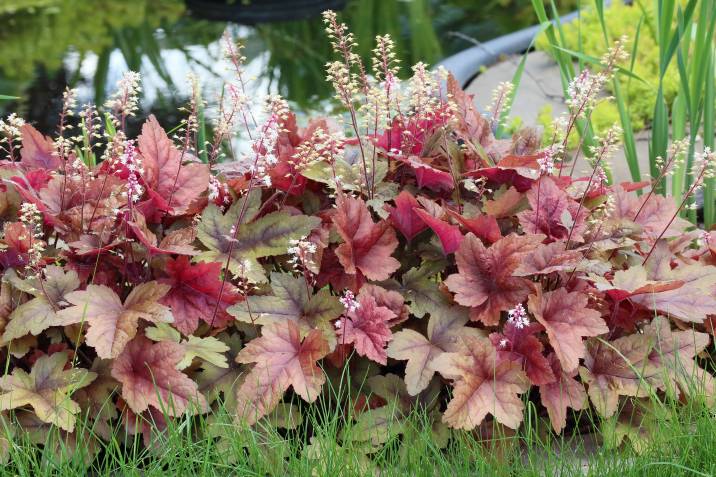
(681, 442)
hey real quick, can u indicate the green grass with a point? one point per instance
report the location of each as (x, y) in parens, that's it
(680, 441)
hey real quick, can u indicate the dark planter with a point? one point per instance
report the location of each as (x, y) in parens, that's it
(252, 12)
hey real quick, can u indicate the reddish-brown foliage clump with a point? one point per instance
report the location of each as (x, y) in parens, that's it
(457, 263)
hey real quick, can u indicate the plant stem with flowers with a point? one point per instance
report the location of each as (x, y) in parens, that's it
(704, 168)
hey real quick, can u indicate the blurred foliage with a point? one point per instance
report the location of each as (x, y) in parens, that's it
(37, 36)
(423, 30)
(43, 31)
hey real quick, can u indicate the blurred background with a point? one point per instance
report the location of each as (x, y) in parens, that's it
(47, 45)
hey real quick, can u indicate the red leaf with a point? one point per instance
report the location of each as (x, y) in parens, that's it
(428, 176)
(521, 345)
(549, 258)
(632, 282)
(449, 235)
(367, 329)
(484, 385)
(484, 227)
(564, 392)
(404, 218)
(149, 377)
(407, 135)
(38, 152)
(471, 126)
(367, 246)
(485, 280)
(282, 360)
(549, 206)
(15, 245)
(284, 174)
(180, 184)
(392, 300)
(632, 186)
(194, 293)
(567, 319)
(509, 177)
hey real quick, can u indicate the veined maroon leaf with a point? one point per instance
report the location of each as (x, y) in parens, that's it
(149, 377)
(449, 235)
(367, 245)
(165, 172)
(485, 281)
(567, 319)
(404, 218)
(483, 385)
(562, 393)
(366, 328)
(282, 359)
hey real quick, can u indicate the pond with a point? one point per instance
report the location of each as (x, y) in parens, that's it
(47, 45)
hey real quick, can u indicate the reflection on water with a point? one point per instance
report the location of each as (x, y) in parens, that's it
(46, 45)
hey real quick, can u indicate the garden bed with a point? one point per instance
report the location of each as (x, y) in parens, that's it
(404, 286)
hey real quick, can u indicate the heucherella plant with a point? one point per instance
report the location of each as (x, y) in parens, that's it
(402, 244)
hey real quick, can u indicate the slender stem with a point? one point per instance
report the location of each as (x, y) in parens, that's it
(673, 217)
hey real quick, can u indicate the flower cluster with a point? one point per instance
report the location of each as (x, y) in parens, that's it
(348, 300)
(11, 135)
(518, 316)
(301, 253)
(125, 101)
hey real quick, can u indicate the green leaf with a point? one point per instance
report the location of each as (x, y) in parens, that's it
(291, 301)
(216, 225)
(214, 380)
(162, 332)
(40, 313)
(349, 171)
(209, 350)
(267, 236)
(47, 388)
(596, 61)
(421, 291)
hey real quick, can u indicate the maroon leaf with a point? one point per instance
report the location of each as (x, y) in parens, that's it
(485, 281)
(194, 293)
(521, 345)
(367, 245)
(549, 258)
(449, 235)
(567, 319)
(553, 212)
(560, 394)
(180, 184)
(367, 329)
(428, 176)
(404, 218)
(38, 152)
